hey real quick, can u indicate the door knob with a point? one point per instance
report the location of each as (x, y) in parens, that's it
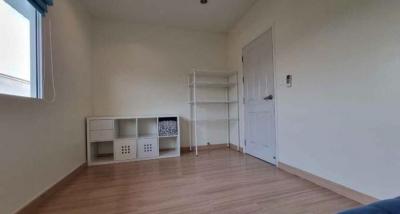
(269, 97)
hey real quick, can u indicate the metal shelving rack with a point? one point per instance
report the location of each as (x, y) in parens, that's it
(220, 82)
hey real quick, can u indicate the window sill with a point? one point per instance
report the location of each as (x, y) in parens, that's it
(6, 97)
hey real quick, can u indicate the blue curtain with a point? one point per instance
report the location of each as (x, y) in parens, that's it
(41, 5)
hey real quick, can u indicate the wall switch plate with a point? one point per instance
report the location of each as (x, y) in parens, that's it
(289, 81)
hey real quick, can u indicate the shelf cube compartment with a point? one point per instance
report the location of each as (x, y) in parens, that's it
(101, 151)
(125, 149)
(169, 147)
(148, 147)
(167, 126)
(147, 127)
(126, 128)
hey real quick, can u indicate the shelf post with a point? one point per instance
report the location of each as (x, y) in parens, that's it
(238, 110)
(195, 111)
(191, 116)
(228, 114)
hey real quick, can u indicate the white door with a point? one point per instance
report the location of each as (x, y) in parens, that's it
(258, 70)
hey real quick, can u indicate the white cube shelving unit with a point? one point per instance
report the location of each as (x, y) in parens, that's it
(122, 139)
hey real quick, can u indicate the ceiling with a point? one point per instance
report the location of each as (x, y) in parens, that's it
(216, 16)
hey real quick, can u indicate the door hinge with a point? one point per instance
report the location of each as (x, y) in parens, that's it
(243, 80)
(245, 142)
(244, 100)
(242, 59)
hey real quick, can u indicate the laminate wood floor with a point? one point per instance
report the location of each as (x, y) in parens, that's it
(218, 181)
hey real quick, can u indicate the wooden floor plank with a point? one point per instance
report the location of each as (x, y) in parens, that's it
(218, 181)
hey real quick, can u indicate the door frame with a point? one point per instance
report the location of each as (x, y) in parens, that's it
(272, 28)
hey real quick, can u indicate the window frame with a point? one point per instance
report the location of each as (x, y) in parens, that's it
(38, 73)
(36, 49)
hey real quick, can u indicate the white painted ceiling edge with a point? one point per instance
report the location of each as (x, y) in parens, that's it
(215, 16)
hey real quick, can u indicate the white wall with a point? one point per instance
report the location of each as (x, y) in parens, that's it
(42, 142)
(143, 70)
(340, 120)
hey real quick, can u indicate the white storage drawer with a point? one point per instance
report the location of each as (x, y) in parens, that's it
(101, 135)
(148, 147)
(125, 149)
(101, 124)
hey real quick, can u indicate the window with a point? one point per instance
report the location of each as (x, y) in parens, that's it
(20, 49)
